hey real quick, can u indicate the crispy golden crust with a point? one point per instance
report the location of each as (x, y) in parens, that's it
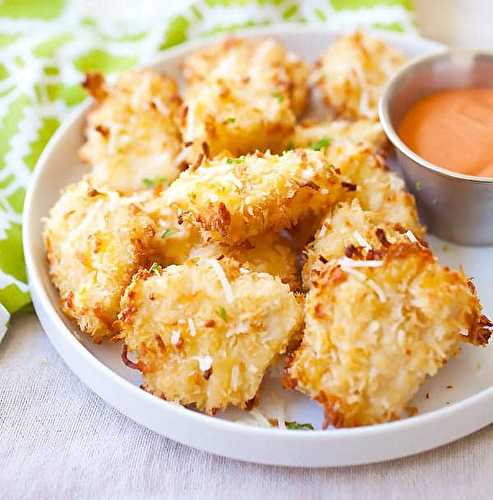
(350, 231)
(352, 72)
(373, 334)
(312, 133)
(175, 238)
(266, 253)
(375, 187)
(235, 199)
(95, 241)
(133, 138)
(194, 344)
(241, 95)
(378, 188)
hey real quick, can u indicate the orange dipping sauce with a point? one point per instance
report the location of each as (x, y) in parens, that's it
(453, 129)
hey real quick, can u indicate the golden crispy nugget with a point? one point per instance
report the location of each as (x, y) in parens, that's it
(235, 199)
(350, 231)
(352, 72)
(133, 140)
(241, 95)
(265, 253)
(373, 334)
(320, 134)
(95, 241)
(377, 188)
(204, 333)
(175, 238)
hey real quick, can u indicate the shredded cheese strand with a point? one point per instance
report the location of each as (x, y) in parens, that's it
(347, 262)
(361, 241)
(221, 276)
(411, 236)
(259, 417)
(358, 274)
(191, 327)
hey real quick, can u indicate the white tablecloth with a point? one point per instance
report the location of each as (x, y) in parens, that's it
(58, 440)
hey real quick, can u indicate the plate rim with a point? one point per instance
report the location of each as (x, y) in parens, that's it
(54, 325)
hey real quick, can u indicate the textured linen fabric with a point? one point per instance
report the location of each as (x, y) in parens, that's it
(47, 46)
(58, 440)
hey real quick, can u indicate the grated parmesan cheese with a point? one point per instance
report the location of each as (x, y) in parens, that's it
(235, 373)
(377, 289)
(346, 262)
(358, 274)
(180, 157)
(361, 241)
(411, 236)
(221, 276)
(205, 362)
(191, 327)
(175, 337)
(259, 417)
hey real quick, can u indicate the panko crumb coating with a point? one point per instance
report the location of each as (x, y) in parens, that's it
(242, 95)
(95, 241)
(133, 139)
(235, 199)
(205, 332)
(266, 253)
(352, 72)
(373, 334)
(319, 134)
(349, 231)
(377, 188)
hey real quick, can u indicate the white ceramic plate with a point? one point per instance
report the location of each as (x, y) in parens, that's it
(460, 398)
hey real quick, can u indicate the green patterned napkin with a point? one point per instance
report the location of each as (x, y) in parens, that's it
(47, 46)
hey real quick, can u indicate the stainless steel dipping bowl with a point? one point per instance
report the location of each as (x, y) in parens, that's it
(455, 207)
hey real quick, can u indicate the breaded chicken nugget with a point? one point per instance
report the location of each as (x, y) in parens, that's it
(95, 241)
(320, 134)
(352, 72)
(204, 333)
(377, 188)
(375, 329)
(350, 231)
(242, 95)
(175, 237)
(235, 199)
(133, 138)
(266, 253)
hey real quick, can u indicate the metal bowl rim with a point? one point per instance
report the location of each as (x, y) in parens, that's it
(383, 112)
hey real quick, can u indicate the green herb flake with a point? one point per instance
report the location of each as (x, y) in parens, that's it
(295, 426)
(150, 183)
(221, 312)
(419, 186)
(167, 233)
(236, 161)
(321, 144)
(278, 96)
(231, 119)
(290, 146)
(155, 268)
